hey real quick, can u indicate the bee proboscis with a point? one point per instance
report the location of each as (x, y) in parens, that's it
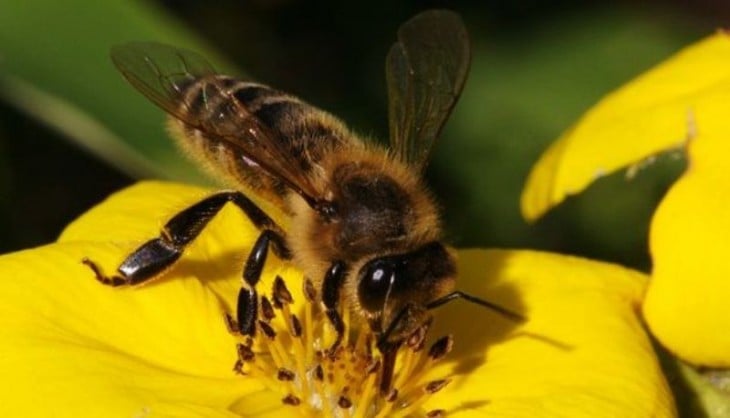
(364, 227)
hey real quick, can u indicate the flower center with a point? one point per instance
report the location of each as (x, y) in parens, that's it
(291, 354)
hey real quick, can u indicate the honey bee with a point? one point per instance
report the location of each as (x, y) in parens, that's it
(365, 229)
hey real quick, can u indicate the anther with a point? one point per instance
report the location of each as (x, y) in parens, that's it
(280, 293)
(344, 402)
(245, 354)
(309, 291)
(373, 366)
(436, 385)
(267, 330)
(436, 413)
(231, 324)
(441, 347)
(285, 375)
(319, 373)
(238, 367)
(267, 311)
(291, 400)
(296, 326)
(417, 339)
(392, 395)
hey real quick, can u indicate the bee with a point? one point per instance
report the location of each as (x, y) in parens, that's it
(364, 227)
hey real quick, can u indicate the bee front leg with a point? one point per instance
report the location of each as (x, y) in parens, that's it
(331, 285)
(157, 255)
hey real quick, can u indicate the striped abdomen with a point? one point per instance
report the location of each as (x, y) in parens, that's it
(218, 113)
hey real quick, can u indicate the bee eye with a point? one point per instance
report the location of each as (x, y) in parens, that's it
(375, 279)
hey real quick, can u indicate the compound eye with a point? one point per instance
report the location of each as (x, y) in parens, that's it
(375, 279)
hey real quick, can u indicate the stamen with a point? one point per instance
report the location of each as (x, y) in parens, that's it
(392, 395)
(296, 327)
(285, 375)
(267, 330)
(309, 291)
(267, 311)
(291, 355)
(281, 294)
(441, 348)
(245, 354)
(291, 400)
(436, 385)
(231, 324)
(344, 403)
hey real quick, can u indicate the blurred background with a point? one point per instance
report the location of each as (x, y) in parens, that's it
(72, 131)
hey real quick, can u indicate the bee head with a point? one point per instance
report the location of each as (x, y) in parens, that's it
(395, 289)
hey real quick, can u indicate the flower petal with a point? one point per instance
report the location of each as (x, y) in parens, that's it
(136, 214)
(687, 301)
(163, 349)
(72, 347)
(651, 114)
(582, 353)
(139, 211)
(160, 350)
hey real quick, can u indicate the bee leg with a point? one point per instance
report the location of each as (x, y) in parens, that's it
(331, 285)
(384, 339)
(389, 352)
(158, 254)
(247, 306)
(146, 262)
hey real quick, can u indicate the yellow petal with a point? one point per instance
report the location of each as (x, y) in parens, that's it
(129, 218)
(163, 350)
(134, 214)
(687, 304)
(655, 112)
(138, 212)
(72, 347)
(582, 353)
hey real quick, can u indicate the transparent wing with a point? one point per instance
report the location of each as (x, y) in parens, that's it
(425, 71)
(166, 75)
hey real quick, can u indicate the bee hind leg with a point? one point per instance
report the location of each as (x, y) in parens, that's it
(155, 256)
(114, 280)
(146, 262)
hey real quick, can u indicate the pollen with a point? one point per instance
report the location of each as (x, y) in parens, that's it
(291, 353)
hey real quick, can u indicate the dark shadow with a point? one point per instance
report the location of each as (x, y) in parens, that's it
(222, 267)
(476, 329)
(688, 401)
(466, 406)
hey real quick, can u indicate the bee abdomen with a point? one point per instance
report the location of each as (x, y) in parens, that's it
(218, 108)
(220, 101)
(215, 97)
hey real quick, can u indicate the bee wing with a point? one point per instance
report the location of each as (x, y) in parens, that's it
(165, 74)
(425, 72)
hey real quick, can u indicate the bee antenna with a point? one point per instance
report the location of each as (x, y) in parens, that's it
(383, 343)
(478, 301)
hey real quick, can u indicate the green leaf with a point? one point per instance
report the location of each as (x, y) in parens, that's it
(54, 64)
(524, 90)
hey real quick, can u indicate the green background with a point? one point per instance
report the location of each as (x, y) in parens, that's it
(72, 131)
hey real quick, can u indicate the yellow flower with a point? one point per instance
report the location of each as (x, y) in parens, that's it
(73, 347)
(680, 104)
